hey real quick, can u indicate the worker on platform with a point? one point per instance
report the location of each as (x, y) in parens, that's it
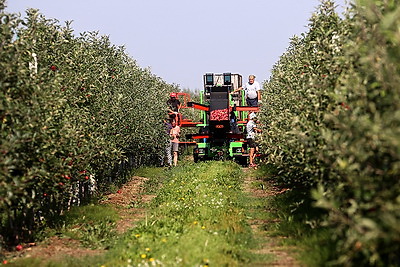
(252, 130)
(252, 91)
(174, 105)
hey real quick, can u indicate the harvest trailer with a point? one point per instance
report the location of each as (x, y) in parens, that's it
(224, 117)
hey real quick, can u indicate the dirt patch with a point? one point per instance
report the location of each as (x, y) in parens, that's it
(56, 248)
(269, 245)
(128, 201)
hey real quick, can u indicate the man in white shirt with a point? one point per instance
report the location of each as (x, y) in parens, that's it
(252, 91)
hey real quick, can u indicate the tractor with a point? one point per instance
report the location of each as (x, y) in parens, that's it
(224, 117)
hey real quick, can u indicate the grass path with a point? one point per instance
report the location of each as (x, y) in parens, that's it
(208, 214)
(259, 191)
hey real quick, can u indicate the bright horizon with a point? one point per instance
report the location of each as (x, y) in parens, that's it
(180, 40)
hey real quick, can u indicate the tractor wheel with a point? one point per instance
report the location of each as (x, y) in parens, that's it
(241, 160)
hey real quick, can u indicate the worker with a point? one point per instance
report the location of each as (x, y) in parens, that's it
(233, 123)
(252, 130)
(252, 91)
(174, 133)
(168, 145)
(174, 105)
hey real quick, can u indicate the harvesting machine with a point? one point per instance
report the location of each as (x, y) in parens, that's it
(224, 117)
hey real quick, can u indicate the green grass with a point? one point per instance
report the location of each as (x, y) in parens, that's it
(198, 218)
(93, 225)
(156, 177)
(292, 215)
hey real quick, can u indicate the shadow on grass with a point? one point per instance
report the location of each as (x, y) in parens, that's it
(291, 214)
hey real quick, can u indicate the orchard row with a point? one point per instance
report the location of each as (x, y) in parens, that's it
(333, 126)
(76, 113)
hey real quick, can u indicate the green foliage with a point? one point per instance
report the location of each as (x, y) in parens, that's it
(298, 95)
(333, 124)
(73, 111)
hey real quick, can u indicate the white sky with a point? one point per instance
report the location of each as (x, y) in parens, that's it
(180, 40)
